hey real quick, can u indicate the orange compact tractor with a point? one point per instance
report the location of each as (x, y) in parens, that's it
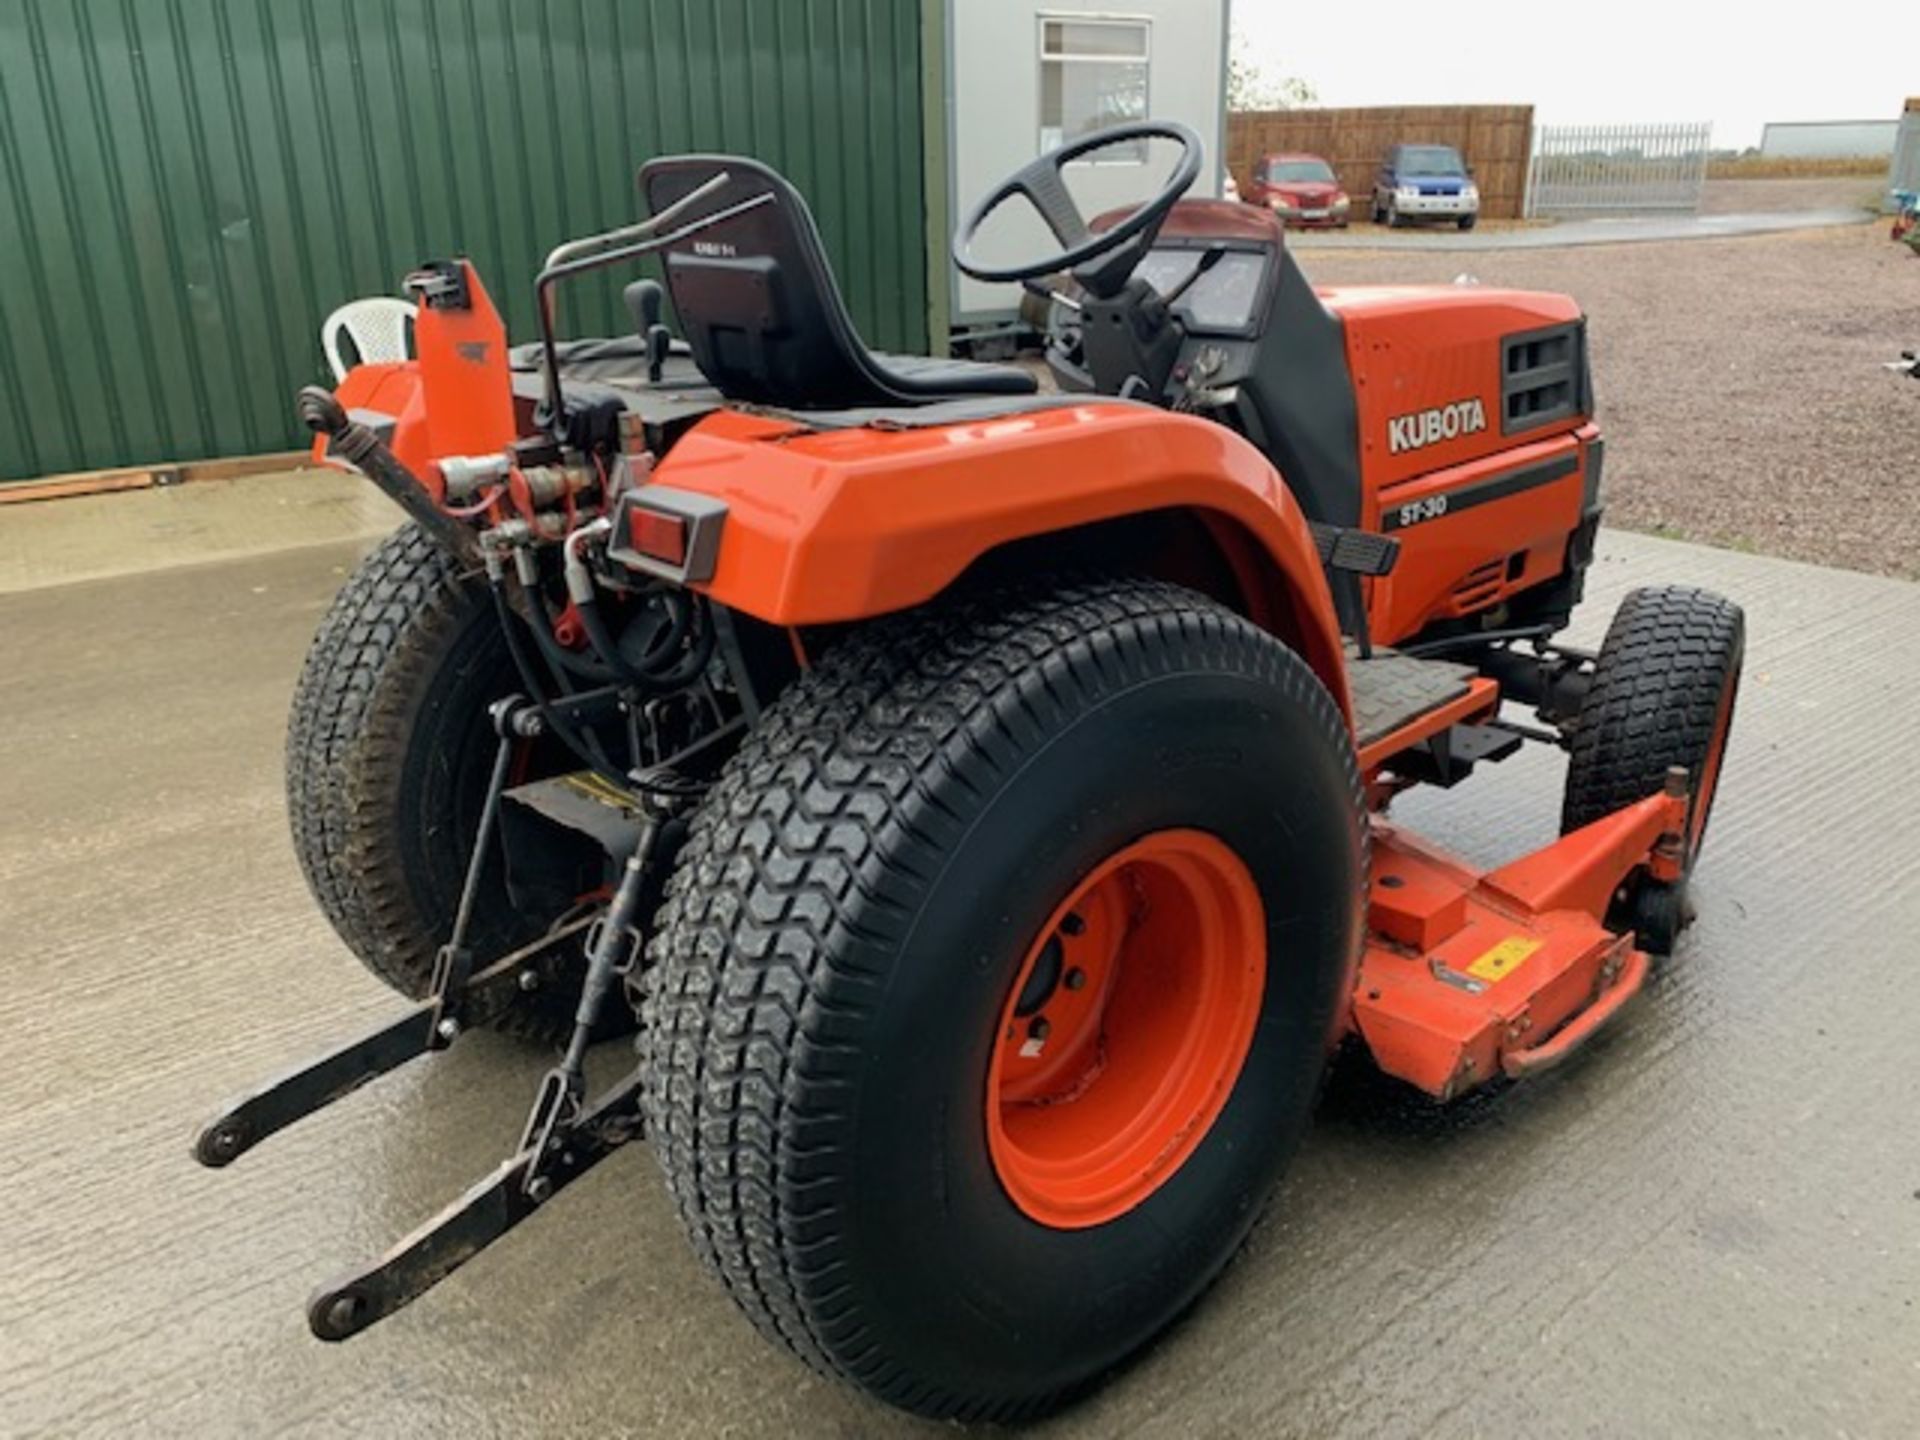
(976, 794)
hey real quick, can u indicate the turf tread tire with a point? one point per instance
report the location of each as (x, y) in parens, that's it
(748, 1000)
(407, 625)
(1668, 657)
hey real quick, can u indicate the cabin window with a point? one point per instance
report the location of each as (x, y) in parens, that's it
(1093, 74)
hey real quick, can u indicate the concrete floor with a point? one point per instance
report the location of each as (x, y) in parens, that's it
(1708, 1223)
(135, 532)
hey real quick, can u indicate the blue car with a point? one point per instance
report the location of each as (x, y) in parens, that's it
(1425, 182)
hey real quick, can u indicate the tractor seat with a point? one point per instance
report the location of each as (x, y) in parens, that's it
(759, 308)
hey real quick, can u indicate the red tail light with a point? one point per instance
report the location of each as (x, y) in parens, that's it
(660, 537)
(666, 531)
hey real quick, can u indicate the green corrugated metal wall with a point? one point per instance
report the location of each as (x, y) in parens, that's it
(191, 185)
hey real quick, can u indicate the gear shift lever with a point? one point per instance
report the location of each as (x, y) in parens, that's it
(645, 300)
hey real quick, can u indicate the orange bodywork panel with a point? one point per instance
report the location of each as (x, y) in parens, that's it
(1472, 556)
(464, 375)
(1414, 348)
(1431, 355)
(455, 398)
(825, 526)
(1469, 974)
(391, 388)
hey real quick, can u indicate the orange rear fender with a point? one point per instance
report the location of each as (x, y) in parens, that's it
(828, 526)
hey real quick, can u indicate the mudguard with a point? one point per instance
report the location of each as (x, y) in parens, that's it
(830, 526)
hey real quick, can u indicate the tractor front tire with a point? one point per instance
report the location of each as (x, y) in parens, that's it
(1662, 696)
(995, 983)
(388, 753)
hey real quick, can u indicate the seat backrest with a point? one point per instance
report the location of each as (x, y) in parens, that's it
(378, 326)
(754, 295)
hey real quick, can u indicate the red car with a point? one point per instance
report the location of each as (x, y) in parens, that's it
(1300, 189)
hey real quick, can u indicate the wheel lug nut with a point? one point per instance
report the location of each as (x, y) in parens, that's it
(1073, 924)
(1076, 978)
(1039, 1029)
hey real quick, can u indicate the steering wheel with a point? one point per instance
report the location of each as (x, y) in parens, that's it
(1043, 186)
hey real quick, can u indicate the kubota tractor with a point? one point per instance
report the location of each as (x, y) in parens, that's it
(977, 797)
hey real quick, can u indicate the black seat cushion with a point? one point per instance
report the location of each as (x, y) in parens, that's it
(758, 305)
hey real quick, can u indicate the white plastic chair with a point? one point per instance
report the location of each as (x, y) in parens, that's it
(377, 326)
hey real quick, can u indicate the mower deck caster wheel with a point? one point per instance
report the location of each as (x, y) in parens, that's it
(1656, 913)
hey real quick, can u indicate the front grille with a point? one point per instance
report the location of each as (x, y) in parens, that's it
(1543, 377)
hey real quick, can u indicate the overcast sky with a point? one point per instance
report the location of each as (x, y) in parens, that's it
(1736, 65)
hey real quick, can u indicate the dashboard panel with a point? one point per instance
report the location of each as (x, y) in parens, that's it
(1227, 300)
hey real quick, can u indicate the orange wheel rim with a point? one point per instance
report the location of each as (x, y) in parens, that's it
(1710, 770)
(1126, 1028)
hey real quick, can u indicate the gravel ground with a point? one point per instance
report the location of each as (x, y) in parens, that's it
(1739, 382)
(1744, 197)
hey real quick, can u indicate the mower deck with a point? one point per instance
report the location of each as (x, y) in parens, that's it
(1468, 974)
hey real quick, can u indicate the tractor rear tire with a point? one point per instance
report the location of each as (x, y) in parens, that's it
(861, 941)
(388, 753)
(1662, 695)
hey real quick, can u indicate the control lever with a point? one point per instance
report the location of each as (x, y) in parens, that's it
(645, 300)
(1051, 295)
(1212, 256)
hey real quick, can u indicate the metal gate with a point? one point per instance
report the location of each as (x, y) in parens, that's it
(1617, 169)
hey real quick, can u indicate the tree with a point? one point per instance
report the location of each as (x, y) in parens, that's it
(1253, 82)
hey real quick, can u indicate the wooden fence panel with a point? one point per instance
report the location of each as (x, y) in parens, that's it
(1495, 139)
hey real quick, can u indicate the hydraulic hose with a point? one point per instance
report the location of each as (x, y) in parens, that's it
(692, 663)
(606, 665)
(558, 656)
(1468, 640)
(359, 446)
(602, 642)
(586, 667)
(583, 746)
(645, 674)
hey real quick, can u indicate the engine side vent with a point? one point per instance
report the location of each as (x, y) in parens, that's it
(1543, 377)
(1480, 585)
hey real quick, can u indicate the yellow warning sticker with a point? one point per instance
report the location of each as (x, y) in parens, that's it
(585, 782)
(1503, 959)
